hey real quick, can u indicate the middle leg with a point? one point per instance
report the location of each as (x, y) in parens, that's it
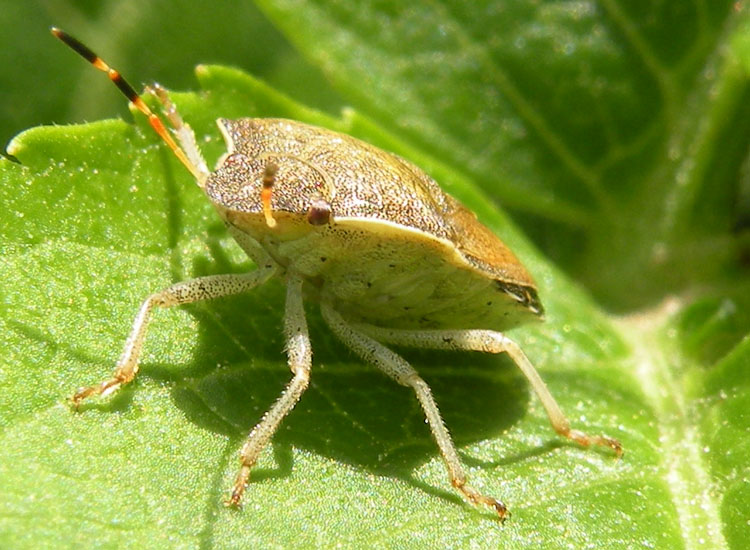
(299, 355)
(397, 368)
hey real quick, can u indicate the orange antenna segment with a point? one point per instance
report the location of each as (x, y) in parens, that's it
(269, 177)
(130, 93)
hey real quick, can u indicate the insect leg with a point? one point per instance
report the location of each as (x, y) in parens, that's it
(493, 342)
(195, 290)
(397, 368)
(299, 353)
(183, 131)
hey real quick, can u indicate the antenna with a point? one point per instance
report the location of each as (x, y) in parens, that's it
(127, 90)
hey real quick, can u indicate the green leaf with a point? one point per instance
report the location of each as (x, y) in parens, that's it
(97, 216)
(574, 115)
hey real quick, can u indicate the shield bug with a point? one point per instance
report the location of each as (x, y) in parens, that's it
(389, 256)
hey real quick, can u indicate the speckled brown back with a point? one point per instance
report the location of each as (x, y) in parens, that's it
(357, 180)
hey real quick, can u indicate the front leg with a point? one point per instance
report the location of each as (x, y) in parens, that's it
(490, 341)
(195, 290)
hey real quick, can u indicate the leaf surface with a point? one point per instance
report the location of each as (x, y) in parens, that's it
(97, 216)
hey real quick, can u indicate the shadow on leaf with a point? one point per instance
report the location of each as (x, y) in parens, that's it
(351, 412)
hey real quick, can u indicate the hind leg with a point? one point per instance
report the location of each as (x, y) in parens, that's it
(489, 341)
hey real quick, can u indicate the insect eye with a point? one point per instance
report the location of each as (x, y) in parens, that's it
(319, 212)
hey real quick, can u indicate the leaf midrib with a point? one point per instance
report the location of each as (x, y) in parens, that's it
(684, 469)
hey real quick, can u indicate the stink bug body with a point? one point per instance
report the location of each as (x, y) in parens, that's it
(389, 256)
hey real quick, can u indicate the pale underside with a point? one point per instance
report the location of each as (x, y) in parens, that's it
(384, 274)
